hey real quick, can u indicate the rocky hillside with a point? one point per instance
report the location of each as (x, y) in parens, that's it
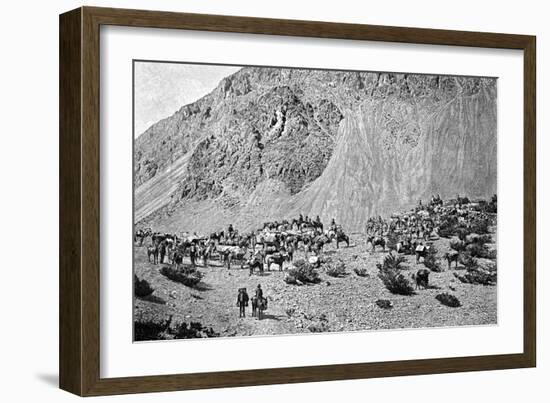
(269, 143)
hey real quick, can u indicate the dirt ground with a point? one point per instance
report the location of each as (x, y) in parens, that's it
(335, 304)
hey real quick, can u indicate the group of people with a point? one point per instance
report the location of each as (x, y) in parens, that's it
(243, 298)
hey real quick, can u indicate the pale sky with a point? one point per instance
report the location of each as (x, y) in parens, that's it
(163, 88)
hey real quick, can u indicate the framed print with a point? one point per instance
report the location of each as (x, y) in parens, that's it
(249, 201)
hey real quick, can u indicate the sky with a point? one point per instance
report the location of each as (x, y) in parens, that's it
(163, 88)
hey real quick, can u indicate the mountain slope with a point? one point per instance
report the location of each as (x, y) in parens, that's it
(271, 143)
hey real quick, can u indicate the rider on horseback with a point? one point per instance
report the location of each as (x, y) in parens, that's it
(259, 292)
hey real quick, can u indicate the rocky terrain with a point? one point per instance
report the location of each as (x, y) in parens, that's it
(335, 304)
(269, 143)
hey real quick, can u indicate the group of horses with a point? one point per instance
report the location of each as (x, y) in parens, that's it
(413, 232)
(273, 244)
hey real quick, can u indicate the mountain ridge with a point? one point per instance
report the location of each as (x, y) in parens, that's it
(270, 143)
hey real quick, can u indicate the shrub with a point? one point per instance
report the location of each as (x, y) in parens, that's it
(320, 326)
(431, 262)
(337, 269)
(479, 225)
(479, 275)
(468, 261)
(384, 303)
(303, 272)
(142, 288)
(195, 330)
(448, 300)
(185, 277)
(394, 262)
(477, 250)
(459, 246)
(462, 233)
(148, 329)
(389, 273)
(361, 272)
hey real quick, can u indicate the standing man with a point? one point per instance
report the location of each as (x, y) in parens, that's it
(242, 302)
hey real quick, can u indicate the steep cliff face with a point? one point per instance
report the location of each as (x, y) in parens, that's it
(271, 143)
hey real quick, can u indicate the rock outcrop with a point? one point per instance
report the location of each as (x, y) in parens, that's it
(270, 143)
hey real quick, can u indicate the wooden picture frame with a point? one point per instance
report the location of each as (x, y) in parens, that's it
(79, 279)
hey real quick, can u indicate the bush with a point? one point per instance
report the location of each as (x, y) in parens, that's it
(150, 329)
(479, 225)
(195, 330)
(448, 300)
(431, 262)
(477, 250)
(459, 246)
(303, 272)
(389, 273)
(185, 277)
(468, 261)
(393, 262)
(142, 288)
(479, 275)
(384, 303)
(361, 272)
(337, 269)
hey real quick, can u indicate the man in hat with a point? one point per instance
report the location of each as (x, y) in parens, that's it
(242, 301)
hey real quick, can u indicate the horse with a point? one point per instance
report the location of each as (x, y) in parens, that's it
(233, 253)
(278, 258)
(421, 251)
(376, 241)
(341, 237)
(153, 251)
(141, 235)
(452, 257)
(259, 305)
(256, 262)
(421, 278)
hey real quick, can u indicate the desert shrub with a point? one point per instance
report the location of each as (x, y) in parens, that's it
(393, 262)
(479, 225)
(389, 273)
(185, 277)
(361, 272)
(384, 303)
(431, 261)
(479, 275)
(303, 272)
(337, 269)
(320, 325)
(459, 246)
(448, 300)
(481, 251)
(467, 261)
(149, 329)
(195, 330)
(142, 288)
(446, 229)
(462, 233)
(481, 239)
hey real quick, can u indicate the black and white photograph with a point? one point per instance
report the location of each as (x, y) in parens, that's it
(275, 201)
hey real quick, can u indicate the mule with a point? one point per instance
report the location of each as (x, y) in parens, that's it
(259, 305)
(154, 252)
(452, 257)
(376, 241)
(421, 278)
